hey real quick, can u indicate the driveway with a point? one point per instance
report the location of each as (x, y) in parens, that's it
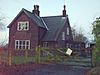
(56, 69)
(43, 69)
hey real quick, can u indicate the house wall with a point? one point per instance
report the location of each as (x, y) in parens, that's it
(62, 43)
(41, 34)
(68, 37)
(49, 44)
(31, 34)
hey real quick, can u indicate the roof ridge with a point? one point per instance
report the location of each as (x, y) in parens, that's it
(52, 16)
(30, 15)
(23, 9)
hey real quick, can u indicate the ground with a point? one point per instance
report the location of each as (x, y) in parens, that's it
(42, 69)
(26, 65)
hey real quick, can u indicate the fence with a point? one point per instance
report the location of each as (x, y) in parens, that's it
(39, 55)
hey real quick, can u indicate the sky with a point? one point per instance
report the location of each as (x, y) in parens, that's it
(81, 13)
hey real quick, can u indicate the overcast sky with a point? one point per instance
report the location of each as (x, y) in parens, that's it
(81, 12)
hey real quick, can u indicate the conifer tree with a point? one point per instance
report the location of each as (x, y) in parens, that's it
(96, 51)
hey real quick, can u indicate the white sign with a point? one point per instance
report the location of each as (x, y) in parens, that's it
(69, 51)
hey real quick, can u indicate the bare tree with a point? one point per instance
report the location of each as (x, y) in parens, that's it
(78, 35)
(3, 40)
(2, 22)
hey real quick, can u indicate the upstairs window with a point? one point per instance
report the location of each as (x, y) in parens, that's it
(63, 35)
(22, 44)
(67, 31)
(23, 26)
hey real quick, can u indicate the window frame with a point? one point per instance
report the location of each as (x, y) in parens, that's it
(19, 44)
(68, 32)
(45, 44)
(63, 35)
(21, 26)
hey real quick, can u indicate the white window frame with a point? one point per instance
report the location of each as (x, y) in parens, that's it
(67, 30)
(23, 26)
(23, 46)
(45, 44)
(63, 35)
(67, 45)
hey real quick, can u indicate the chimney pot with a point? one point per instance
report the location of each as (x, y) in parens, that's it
(64, 11)
(36, 10)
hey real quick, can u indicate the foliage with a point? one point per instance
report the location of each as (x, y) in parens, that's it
(96, 32)
(94, 71)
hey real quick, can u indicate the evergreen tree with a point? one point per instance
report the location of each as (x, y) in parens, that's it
(96, 32)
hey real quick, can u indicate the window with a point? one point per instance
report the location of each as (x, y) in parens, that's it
(45, 44)
(67, 31)
(23, 26)
(67, 45)
(63, 35)
(22, 44)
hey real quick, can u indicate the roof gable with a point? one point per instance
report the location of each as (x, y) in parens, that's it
(32, 16)
(16, 17)
(55, 25)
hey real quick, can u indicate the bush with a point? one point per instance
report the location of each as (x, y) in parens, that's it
(94, 71)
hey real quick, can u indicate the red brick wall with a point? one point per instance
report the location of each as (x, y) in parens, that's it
(31, 34)
(42, 33)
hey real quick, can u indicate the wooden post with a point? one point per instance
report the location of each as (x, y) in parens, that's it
(10, 58)
(0, 58)
(26, 55)
(37, 55)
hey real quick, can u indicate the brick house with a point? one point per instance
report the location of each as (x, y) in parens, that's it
(29, 30)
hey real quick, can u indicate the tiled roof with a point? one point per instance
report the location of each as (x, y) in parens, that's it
(55, 25)
(35, 18)
(32, 16)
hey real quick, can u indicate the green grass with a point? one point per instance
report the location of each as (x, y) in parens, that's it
(46, 59)
(22, 59)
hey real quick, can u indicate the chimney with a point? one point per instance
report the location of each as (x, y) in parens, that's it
(64, 11)
(36, 10)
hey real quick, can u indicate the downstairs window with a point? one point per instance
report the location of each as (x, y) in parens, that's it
(22, 44)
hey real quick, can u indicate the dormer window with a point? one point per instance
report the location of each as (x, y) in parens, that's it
(67, 30)
(23, 26)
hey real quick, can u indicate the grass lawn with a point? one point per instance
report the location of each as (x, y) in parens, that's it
(17, 59)
(22, 59)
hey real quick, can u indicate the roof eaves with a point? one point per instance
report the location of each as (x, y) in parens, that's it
(15, 18)
(44, 24)
(39, 22)
(34, 18)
